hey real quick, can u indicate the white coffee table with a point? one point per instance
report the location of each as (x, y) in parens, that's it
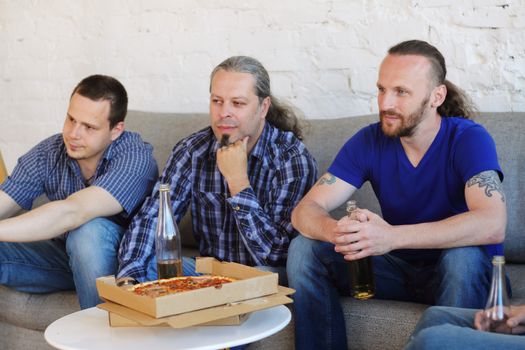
(89, 329)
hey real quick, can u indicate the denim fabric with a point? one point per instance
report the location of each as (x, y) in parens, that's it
(451, 328)
(460, 277)
(71, 261)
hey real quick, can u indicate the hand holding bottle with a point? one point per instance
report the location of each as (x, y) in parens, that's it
(497, 310)
(515, 324)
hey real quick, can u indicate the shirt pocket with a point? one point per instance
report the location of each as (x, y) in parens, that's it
(210, 200)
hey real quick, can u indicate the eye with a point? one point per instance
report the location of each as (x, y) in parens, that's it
(216, 101)
(238, 103)
(402, 92)
(380, 89)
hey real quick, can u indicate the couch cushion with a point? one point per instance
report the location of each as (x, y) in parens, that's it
(379, 324)
(35, 311)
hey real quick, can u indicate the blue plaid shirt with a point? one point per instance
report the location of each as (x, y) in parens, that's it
(127, 170)
(252, 227)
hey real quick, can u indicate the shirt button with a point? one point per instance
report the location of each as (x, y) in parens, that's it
(236, 208)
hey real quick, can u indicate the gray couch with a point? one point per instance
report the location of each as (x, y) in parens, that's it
(372, 324)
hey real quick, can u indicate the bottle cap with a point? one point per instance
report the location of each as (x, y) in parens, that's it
(498, 259)
(164, 187)
(351, 205)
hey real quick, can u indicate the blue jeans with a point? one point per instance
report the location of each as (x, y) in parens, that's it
(461, 277)
(71, 261)
(451, 328)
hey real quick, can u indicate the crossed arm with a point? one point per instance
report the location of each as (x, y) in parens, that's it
(54, 218)
(483, 223)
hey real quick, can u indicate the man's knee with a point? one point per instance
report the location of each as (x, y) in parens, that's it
(302, 252)
(97, 236)
(464, 263)
(429, 338)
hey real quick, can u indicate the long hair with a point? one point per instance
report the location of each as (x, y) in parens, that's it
(280, 114)
(457, 103)
(105, 88)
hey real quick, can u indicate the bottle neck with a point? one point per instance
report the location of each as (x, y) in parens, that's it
(498, 289)
(163, 205)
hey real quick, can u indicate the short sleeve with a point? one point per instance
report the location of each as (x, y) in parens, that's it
(352, 163)
(130, 174)
(475, 152)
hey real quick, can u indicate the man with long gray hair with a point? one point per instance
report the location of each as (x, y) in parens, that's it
(437, 178)
(243, 175)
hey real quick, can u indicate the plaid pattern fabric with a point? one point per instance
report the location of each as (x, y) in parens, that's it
(252, 227)
(127, 170)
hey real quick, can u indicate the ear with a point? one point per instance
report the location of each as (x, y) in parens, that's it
(265, 106)
(438, 95)
(117, 130)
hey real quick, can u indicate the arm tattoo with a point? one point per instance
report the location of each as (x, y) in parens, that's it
(489, 180)
(329, 179)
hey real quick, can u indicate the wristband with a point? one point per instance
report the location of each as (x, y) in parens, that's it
(126, 281)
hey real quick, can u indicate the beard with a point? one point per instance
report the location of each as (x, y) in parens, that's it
(225, 140)
(409, 123)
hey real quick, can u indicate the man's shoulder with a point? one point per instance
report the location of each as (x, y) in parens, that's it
(197, 140)
(284, 145)
(130, 139)
(51, 147)
(459, 127)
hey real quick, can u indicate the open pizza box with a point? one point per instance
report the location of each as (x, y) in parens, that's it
(250, 283)
(223, 315)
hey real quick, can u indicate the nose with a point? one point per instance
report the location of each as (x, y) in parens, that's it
(386, 101)
(74, 131)
(225, 111)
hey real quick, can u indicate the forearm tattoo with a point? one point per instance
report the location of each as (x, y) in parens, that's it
(328, 179)
(489, 181)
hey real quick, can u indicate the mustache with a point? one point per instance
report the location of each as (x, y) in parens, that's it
(390, 112)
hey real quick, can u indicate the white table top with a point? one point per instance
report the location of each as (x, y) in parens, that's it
(89, 329)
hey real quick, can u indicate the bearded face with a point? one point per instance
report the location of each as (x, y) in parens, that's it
(396, 124)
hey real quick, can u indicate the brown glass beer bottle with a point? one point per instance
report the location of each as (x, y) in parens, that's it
(362, 284)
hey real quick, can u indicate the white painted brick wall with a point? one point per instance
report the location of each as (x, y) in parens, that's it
(322, 54)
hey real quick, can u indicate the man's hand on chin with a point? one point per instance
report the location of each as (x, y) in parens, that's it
(232, 161)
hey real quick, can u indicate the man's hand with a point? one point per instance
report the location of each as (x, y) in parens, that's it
(357, 239)
(232, 161)
(515, 323)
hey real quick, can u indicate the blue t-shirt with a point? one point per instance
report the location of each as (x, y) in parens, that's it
(431, 191)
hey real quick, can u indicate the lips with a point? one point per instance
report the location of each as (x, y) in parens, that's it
(390, 117)
(226, 129)
(73, 147)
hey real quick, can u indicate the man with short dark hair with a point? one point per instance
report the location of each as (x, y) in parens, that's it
(242, 176)
(95, 175)
(437, 178)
